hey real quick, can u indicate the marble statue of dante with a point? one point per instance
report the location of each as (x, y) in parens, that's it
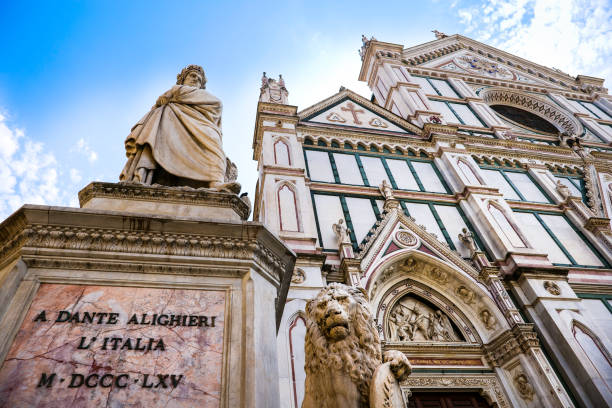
(179, 141)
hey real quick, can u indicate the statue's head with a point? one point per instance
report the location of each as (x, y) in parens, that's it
(192, 75)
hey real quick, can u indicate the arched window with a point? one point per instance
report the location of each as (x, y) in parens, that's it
(468, 172)
(505, 226)
(297, 336)
(594, 350)
(281, 153)
(287, 208)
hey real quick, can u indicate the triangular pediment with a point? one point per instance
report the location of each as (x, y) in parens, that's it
(349, 110)
(471, 63)
(464, 55)
(397, 232)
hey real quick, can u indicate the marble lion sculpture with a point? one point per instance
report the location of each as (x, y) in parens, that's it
(344, 368)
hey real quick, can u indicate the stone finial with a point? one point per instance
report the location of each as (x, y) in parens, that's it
(386, 190)
(365, 42)
(273, 91)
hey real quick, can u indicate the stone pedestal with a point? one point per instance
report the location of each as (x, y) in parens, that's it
(145, 297)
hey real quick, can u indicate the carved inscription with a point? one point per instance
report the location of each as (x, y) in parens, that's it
(103, 346)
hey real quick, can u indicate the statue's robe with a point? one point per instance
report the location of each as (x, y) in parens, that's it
(184, 137)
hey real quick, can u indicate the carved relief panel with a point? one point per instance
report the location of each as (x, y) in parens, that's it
(412, 319)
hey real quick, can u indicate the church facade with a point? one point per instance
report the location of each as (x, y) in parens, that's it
(470, 198)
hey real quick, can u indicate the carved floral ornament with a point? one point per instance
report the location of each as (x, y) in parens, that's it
(563, 120)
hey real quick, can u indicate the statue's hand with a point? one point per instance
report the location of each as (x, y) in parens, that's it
(162, 100)
(399, 364)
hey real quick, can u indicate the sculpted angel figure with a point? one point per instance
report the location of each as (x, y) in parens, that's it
(386, 190)
(563, 190)
(179, 141)
(467, 238)
(342, 233)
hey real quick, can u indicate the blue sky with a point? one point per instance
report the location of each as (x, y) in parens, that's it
(76, 76)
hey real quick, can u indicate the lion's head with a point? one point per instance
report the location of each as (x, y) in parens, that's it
(341, 337)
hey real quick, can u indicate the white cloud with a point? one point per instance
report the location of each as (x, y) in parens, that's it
(84, 148)
(75, 176)
(28, 173)
(572, 35)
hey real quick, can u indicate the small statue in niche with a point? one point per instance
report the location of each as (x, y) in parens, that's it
(563, 190)
(488, 319)
(524, 388)
(466, 295)
(386, 190)
(342, 233)
(552, 288)
(467, 238)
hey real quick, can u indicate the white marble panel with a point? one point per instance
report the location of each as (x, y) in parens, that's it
(466, 114)
(348, 171)
(423, 216)
(572, 242)
(381, 205)
(600, 314)
(425, 85)
(281, 153)
(506, 228)
(453, 222)
(539, 238)
(319, 166)
(494, 178)
(444, 110)
(526, 186)
(362, 216)
(374, 170)
(593, 351)
(288, 209)
(444, 88)
(579, 108)
(428, 176)
(402, 174)
(329, 211)
(597, 111)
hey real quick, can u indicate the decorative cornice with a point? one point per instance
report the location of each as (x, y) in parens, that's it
(176, 195)
(511, 343)
(488, 384)
(29, 231)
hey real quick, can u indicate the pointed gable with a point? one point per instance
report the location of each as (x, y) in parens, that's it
(471, 63)
(348, 110)
(397, 232)
(464, 55)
